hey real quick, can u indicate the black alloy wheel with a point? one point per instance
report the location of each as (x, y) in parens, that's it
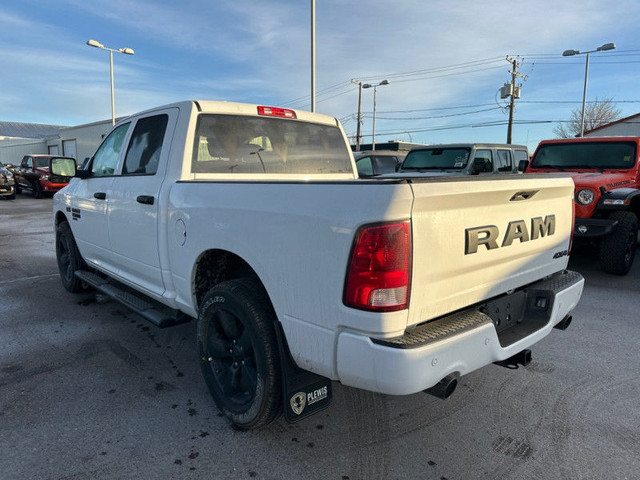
(239, 353)
(69, 259)
(618, 250)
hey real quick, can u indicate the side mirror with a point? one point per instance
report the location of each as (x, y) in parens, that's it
(477, 166)
(522, 165)
(63, 167)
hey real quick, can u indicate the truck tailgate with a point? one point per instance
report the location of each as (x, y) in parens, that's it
(474, 239)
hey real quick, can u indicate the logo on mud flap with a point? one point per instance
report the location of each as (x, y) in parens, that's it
(298, 402)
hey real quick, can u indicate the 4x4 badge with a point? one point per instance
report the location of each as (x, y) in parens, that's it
(298, 402)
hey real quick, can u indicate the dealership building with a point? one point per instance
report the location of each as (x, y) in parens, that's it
(20, 139)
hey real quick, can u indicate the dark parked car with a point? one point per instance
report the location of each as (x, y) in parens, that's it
(7, 183)
(378, 162)
(33, 174)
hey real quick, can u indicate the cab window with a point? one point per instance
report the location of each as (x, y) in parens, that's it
(365, 168)
(106, 158)
(505, 164)
(487, 157)
(143, 154)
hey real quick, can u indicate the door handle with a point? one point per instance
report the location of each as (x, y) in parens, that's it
(146, 199)
(100, 195)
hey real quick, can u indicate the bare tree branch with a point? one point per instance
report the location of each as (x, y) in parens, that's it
(597, 113)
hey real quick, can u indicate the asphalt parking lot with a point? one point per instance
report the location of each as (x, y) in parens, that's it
(90, 390)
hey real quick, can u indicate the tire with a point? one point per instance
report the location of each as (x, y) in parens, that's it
(37, 190)
(239, 354)
(618, 250)
(18, 188)
(69, 259)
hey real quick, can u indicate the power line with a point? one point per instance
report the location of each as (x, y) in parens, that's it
(438, 116)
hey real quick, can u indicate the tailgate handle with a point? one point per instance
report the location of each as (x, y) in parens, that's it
(146, 199)
(100, 195)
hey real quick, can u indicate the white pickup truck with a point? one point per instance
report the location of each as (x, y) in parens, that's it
(253, 220)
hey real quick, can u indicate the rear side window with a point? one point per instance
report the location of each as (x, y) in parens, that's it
(520, 155)
(365, 167)
(505, 163)
(105, 160)
(143, 154)
(246, 144)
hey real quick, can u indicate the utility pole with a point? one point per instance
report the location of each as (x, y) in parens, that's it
(510, 90)
(358, 136)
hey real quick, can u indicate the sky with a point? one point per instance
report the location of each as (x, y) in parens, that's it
(445, 61)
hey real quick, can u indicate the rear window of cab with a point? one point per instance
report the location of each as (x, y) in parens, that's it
(236, 144)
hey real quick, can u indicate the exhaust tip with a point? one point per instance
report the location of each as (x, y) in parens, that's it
(445, 387)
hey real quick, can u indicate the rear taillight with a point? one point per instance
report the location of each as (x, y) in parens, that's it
(276, 112)
(379, 273)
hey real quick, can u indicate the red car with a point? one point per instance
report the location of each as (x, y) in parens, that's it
(606, 172)
(33, 174)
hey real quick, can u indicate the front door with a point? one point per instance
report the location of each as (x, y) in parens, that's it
(89, 221)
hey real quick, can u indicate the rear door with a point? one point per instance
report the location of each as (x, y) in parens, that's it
(134, 201)
(504, 162)
(475, 238)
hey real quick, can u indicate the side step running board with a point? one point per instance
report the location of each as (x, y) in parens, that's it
(158, 314)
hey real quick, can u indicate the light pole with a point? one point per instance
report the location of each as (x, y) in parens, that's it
(126, 51)
(375, 87)
(569, 53)
(313, 55)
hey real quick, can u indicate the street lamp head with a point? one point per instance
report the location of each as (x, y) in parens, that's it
(367, 85)
(127, 51)
(94, 43)
(606, 46)
(568, 53)
(384, 82)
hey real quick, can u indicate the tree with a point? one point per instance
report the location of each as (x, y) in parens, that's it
(596, 114)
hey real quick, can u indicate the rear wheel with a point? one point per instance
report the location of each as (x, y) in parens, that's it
(239, 354)
(618, 250)
(69, 259)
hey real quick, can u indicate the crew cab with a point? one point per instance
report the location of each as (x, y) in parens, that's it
(253, 220)
(463, 159)
(606, 172)
(33, 174)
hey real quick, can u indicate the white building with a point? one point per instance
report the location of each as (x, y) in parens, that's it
(625, 127)
(79, 142)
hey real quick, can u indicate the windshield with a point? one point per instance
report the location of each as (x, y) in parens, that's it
(244, 144)
(40, 162)
(585, 155)
(436, 158)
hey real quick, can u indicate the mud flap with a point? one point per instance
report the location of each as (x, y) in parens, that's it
(303, 393)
